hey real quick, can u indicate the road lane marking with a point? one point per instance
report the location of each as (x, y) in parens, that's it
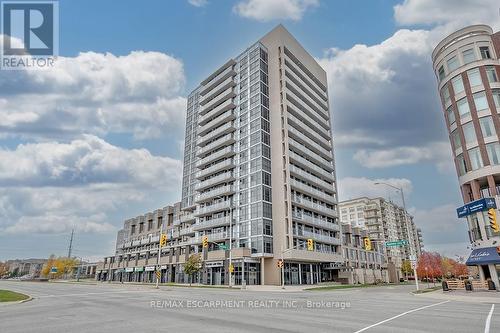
(400, 315)
(488, 319)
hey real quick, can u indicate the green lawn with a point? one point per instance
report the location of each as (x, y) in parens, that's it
(10, 296)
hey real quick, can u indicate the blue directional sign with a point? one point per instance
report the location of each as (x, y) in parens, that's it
(476, 206)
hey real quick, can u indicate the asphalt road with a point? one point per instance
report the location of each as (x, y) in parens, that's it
(61, 307)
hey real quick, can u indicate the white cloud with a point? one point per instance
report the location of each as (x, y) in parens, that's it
(455, 12)
(198, 3)
(438, 153)
(52, 187)
(84, 161)
(352, 187)
(267, 10)
(96, 93)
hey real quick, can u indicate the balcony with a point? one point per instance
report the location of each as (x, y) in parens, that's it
(304, 188)
(315, 221)
(186, 231)
(220, 191)
(311, 144)
(223, 118)
(220, 99)
(207, 210)
(213, 93)
(295, 171)
(186, 218)
(302, 120)
(297, 101)
(222, 141)
(306, 164)
(304, 203)
(306, 86)
(300, 73)
(221, 166)
(222, 178)
(224, 129)
(224, 106)
(317, 237)
(212, 81)
(213, 223)
(312, 155)
(226, 152)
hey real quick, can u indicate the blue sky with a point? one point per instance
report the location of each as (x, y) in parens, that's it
(99, 139)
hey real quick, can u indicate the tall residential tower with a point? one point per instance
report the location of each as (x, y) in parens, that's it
(259, 173)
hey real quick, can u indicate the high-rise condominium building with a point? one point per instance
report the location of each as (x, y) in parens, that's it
(383, 221)
(259, 173)
(467, 68)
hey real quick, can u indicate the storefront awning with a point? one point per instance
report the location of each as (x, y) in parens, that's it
(487, 255)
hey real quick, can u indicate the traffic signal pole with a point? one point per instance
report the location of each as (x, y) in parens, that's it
(283, 260)
(158, 259)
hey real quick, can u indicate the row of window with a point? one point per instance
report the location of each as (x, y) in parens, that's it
(474, 77)
(468, 56)
(480, 102)
(476, 161)
(487, 130)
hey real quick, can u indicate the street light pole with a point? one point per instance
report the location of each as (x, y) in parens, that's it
(158, 258)
(410, 243)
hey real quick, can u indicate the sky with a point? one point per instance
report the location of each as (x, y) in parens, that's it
(99, 138)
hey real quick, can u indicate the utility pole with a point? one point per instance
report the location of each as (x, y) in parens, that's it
(158, 275)
(71, 243)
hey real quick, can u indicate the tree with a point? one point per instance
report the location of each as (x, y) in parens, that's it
(447, 266)
(429, 265)
(4, 269)
(192, 266)
(406, 267)
(64, 266)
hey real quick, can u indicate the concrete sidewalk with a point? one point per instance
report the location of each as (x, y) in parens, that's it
(490, 297)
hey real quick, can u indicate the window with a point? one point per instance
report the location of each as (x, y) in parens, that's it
(496, 99)
(469, 56)
(453, 63)
(445, 93)
(485, 52)
(469, 132)
(462, 168)
(463, 108)
(458, 84)
(493, 150)
(491, 74)
(451, 116)
(474, 77)
(480, 101)
(476, 161)
(487, 127)
(441, 73)
(456, 139)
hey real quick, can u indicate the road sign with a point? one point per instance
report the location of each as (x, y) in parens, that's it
(414, 264)
(53, 269)
(396, 243)
(413, 257)
(222, 246)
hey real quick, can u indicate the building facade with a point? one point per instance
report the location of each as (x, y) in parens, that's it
(258, 178)
(467, 69)
(383, 221)
(22, 267)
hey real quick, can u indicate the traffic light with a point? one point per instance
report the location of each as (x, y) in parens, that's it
(492, 215)
(163, 240)
(310, 244)
(368, 244)
(204, 241)
(231, 268)
(280, 263)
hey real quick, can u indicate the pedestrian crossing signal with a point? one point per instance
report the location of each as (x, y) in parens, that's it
(280, 263)
(310, 245)
(492, 215)
(368, 244)
(163, 240)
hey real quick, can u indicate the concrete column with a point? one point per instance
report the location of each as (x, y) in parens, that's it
(476, 193)
(481, 273)
(312, 273)
(494, 275)
(262, 271)
(491, 185)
